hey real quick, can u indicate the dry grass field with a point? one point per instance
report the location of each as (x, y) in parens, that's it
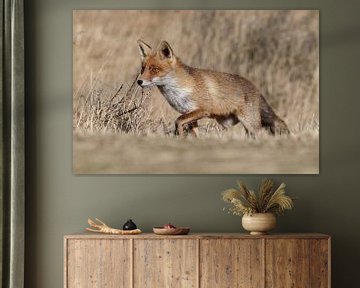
(120, 128)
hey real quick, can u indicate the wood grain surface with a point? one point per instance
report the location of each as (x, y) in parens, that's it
(98, 263)
(165, 263)
(287, 263)
(197, 260)
(228, 263)
(319, 263)
(89, 235)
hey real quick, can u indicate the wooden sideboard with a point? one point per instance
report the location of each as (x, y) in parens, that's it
(197, 260)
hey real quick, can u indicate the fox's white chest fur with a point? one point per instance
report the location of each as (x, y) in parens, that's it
(178, 97)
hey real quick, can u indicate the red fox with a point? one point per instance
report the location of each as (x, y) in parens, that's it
(199, 93)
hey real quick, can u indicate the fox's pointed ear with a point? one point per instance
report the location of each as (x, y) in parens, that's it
(144, 49)
(165, 50)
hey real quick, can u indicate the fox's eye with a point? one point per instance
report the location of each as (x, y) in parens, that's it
(154, 69)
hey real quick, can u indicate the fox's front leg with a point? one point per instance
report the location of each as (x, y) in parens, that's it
(193, 129)
(188, 118)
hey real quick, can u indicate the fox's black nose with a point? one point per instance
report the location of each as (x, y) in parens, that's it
(139, 82)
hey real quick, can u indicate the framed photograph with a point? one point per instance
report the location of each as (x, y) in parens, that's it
(196, 92)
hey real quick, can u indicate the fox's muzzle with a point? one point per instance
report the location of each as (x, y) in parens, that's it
(145, 83)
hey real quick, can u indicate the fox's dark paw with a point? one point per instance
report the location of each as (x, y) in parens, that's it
(187, 129)
(183, 132)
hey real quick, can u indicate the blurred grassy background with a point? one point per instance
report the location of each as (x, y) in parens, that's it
(276, 50)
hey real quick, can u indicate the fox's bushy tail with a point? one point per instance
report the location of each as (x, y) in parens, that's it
(270, 120)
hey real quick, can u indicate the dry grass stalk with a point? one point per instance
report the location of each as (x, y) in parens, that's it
(245, 201)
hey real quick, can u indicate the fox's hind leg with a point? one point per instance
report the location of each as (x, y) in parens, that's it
(251, 123)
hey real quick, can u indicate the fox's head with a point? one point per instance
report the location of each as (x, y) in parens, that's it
(157, 65)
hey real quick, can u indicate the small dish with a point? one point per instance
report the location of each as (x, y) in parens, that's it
(171, 231)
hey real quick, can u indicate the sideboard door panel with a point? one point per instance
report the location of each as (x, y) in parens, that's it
(231, 263)
(287, 263)
(319, 263)
(98, 263)
(165, 263)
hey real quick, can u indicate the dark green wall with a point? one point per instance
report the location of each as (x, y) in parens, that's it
(59, 203)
